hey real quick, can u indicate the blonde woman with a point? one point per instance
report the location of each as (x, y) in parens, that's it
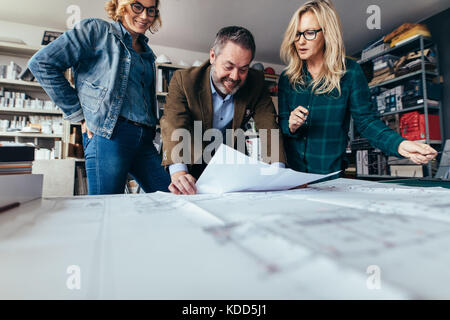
(318, 92)
(114, 94)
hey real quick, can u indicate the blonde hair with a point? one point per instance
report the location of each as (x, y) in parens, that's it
(334, 51)
(116, 10)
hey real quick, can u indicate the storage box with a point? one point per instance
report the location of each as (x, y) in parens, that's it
(372, 52)
(412, 126)
(407, 171)
(362, 167)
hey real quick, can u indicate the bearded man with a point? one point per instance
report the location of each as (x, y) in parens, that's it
(223, 94)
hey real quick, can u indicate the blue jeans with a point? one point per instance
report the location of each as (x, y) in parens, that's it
(129, 151)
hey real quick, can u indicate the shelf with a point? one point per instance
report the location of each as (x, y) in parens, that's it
(20, 84)
(162, 94)
(409, 75)
(15, 49)
(33, 111)
(408, 110)
(30, 135)
(405, 47)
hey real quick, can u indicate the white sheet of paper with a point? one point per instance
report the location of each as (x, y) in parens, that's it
(20, 188)
(232, 171)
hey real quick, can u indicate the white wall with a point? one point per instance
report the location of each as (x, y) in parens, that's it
(32, 36)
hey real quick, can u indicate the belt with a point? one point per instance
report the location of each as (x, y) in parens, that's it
(135, 123)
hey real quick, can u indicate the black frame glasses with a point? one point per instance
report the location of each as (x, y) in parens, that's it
(309, 35)
(138, 8)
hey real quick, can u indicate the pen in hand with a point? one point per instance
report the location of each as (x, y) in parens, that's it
(297, 118)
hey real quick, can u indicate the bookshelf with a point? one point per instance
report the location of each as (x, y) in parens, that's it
(20, 84)
(17, 50)
(401, 97)
(29, 111)
(164, 73)
(27, 100)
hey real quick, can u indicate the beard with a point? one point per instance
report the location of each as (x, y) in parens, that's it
(219, 83)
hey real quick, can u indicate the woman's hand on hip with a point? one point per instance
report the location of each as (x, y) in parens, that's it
(297, 118)
(84, 128)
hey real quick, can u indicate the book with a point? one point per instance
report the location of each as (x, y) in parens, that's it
(26, 75)
(16, 152)
(15, 165)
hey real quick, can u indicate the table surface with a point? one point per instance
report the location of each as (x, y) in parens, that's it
(341, 239)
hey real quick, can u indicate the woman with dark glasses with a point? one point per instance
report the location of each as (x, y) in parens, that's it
(114, 94)
(318, 92)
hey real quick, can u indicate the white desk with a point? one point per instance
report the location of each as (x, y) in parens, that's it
(311, 243)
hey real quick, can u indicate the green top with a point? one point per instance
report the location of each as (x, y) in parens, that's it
(318, 146)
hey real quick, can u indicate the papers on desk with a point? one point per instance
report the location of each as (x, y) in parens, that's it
(232, 171)
(322, 242)
(20, 188)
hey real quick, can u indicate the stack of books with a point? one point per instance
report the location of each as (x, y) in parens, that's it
(374, 49)
(383, 68)
(16, 158)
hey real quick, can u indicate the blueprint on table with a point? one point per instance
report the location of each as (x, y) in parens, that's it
(320, 242)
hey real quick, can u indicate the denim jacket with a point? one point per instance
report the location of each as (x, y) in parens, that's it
(100, 60)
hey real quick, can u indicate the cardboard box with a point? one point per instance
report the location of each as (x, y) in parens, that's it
(414, 171)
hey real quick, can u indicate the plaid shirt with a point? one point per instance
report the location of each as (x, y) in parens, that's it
(318, 146)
